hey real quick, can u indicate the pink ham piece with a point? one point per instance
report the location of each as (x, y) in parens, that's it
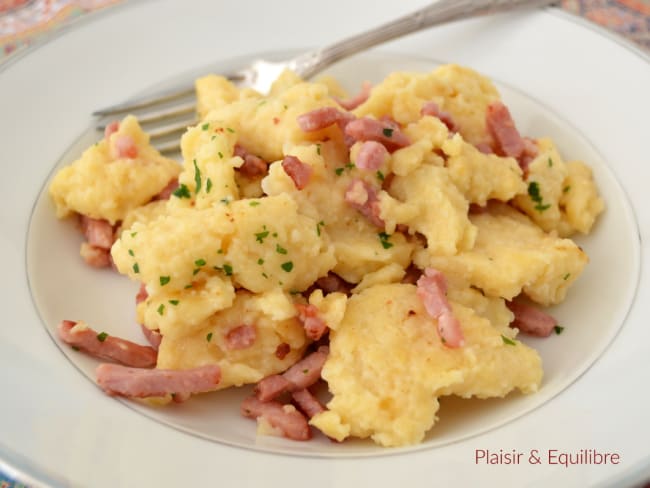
(104, 346)
(241, 337)
(322, 118)
(125, 147)
(153, 336)
(253, 166)
(97, 257)
(363, 197)
(432, 290)
(142, 294)
(384, 131)
(166, 192)
(314, 326)
(371, 156)
(507, 140)
(354, 102)
(432, 109)
(307, 402)
(111, 129)
(298, 171)
(143, 383)
(531, 320)
(484, 147)
(301, 375)
(283, 417)
(98, 232)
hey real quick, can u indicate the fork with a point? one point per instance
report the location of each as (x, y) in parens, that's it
(166, 114)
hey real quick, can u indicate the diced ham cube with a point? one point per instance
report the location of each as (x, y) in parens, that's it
(104, 346)
(367, 129)
(363, 197)
(111, 129)
(271, 386)
(531, 320)
(507, 140)
(284, 417)
(125, 147)
(432, 290)
(371, 156)
(98, 232)
(354, 102)
(241, 337)
(154, 337)
(307, 402)
(253, 166)
(97, 257)
(322, 118)
(432, 109)
(143, 383)
(314, 326)
(298, 171)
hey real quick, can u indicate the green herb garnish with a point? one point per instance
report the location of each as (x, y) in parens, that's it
(208, 337)
(199, 262)
(383, 238)
(197, 177)
(208, 185)
(136, 268)
(288, 266)
(260, 236)
(174, 302)
(388, 132)
(182, 192)
(338, 171)
(161, 309)
(279, 249)
(508, 341)
(254, 203)
(558, 329)
(380, 175)
(164, 280)
(101, 337)
(227, 269)
(131, 252)
(318, 226)
(205, 126)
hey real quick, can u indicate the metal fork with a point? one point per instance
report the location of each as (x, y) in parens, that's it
(164, 115)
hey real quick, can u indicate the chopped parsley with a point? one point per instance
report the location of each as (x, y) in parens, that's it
(225, 201)
(195, 271)
(318, 226)
(380, 175)
(254, 203)
(566, 276)
(199, 262)
(566, 189)
(265, 275)
(338, 171)
(388, 132)
(75, 348)
(133, 234)
(189, 286)
(164, 280)
(508, 341)
(197, 177)
(182, 192)
(205, 126)
(550, 163)
(136, 268)
(288, 266)
(279, 249)
(318, 149)
(161, 309)
(227, 269)
(533, 192)
(174, 302)
(131, 252)
(208, 185)
(208, 337)
(305, 371)
(260, 236)
(350, 166)
(232, 131)
(260, 261)
(383, 238)
(220, 251)
(558, 329)
(220, 154)
(101, 337)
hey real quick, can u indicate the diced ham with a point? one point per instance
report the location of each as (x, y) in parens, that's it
(271, 386)
(298, 171)
(142, 294)
(484, 147)
(371, 156)
(98, 232)
(333, 283)
(284, 417)
(432, 290)
(301, 375)
(307, 402)
(111, 129)
(314, 326)
(432, 109)
(282, 350)
(367, 129)
(531, 320)
(363, 197)
(104, 346)
(354, 102)
(97, 257)
(253, 166)
(241, 337)
(154, 337)
(166, 192)
(507, 140)
(125, 147)
(142, 383)
(322, 118)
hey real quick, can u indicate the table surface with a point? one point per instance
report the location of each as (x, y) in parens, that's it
(23, 22)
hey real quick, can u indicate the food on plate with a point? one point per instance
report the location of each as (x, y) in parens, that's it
(354, 257)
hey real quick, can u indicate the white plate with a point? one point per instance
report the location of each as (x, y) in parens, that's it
(57, 426)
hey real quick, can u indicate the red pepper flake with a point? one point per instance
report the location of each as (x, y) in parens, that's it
(276, 120)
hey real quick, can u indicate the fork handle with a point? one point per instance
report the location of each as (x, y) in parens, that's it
(308, 64)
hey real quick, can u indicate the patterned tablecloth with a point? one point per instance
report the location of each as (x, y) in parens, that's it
(24, 21)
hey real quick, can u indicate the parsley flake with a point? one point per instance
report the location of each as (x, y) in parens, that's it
(279, 249)
(550, 163)
(199, 262)
(350, 166)
(174, 302)
(208, 337)
(254, 203)
(383, 238)
(227, 269)
(101, 337)
(288, 266)
(225, 201)
(318, 149)
(338, 171)
(508, 341)
(388, 132)
(189, 286)
(164, 280)
(232, 131)
(133, 234)
(566, 189)
(136, 268)
(220, 154)
(260, 236)
(161, 309)
(566, 276)
(533, 192)
(182, 192)
(380, 175)
(197, 177)
(208, 185)
(265, 275)
(131, 253)
(558, 329)
(260, 261)
(205, 126)
(318, 226)
(196, 271)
